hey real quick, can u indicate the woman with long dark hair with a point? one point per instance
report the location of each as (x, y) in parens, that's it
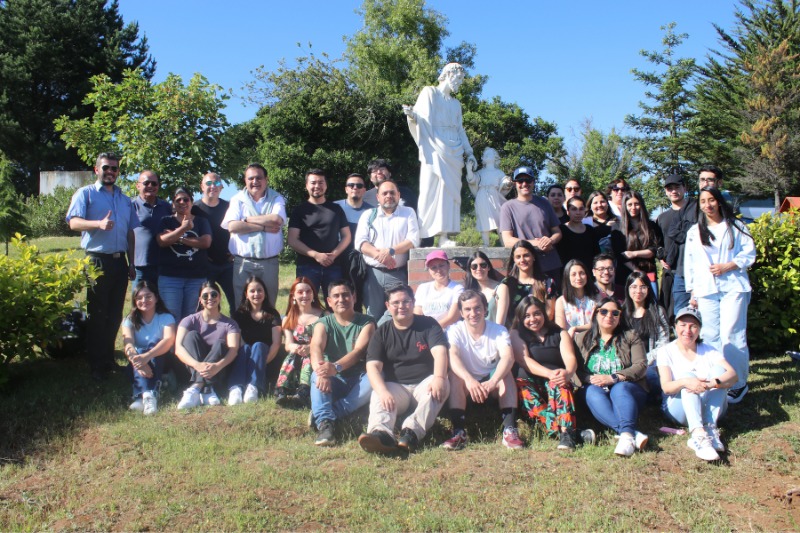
(635, 239)
(148, 332)
(602, 218)
(574, 308)
(613, 373)
(482, 277)
(578, 240)
(260, 326)
(524, 279)
(718, 252)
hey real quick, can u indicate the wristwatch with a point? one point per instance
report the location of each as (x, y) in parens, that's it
(391, 251)
(615, 378)
(718, 382)
(338, 367)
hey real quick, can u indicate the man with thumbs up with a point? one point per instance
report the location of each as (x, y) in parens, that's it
(106, 218)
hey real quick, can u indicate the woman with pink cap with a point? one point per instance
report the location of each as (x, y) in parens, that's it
(439, 298)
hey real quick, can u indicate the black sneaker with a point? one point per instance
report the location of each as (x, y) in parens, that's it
(325, 435)
(302, 398)
(408, 440)
(567, 442)
(736, 395)
(281, 398)
(377, 442)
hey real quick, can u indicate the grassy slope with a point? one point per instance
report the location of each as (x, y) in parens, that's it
(75, 458)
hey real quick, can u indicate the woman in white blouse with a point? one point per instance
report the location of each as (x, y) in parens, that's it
(719, 249)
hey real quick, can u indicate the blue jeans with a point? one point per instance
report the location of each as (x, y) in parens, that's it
(347, 395)
(142, 384)
(692, 410)
(146, 273)
(679, 294)
(180, 295)
(223, 275)
(249, 367)
(320, 276)
(725, 328)
(618, 408)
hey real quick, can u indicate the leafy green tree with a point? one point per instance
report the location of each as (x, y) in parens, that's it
(171, 129)
(49, 51)
(12, 209)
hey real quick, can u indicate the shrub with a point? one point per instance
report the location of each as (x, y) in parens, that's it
(37, 290)
(287, 256)
(774, 312)
(470, 236)
(46, 214)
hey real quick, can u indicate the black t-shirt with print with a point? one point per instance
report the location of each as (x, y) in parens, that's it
(406, 354)
(319, 226)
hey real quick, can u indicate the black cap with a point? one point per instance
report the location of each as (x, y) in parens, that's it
(674, 179)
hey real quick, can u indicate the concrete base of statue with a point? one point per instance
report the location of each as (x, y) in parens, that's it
(458, 255)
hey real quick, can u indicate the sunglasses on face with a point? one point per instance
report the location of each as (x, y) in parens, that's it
(149, 183)
(214, 183)
(109, 167)
(524, 181)
(603, 312)
(573, 189)
(355, 185)
(182, 200)
(621, 189)
(478, 266)
(208, 295)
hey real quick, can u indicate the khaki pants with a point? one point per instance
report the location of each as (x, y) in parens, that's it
(420, 420)
(244, 268)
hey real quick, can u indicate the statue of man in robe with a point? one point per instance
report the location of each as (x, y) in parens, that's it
(435, 123)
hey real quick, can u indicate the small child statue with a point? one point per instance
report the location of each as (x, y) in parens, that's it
(489, 186)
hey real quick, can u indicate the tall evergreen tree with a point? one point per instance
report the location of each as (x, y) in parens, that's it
(12, 210)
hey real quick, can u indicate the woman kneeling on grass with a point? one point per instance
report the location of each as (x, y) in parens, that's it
(613, 374)
(260, 326)
(207, 342)
(698, 396)
(148, 332)
(547, 362)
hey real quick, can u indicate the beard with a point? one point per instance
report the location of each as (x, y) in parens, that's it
(317, 194)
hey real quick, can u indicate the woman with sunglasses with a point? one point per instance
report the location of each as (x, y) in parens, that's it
(148, 332)
(615, 192)
(438, 299)
(613, 371)
(260, 327)
(574, 308)
(635, 239)
(207, 342)
(602, 218)
(524, 280)
(481, 276)
(578, 240)
(183, 262)
(718, 252)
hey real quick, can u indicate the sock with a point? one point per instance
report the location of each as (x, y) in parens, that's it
(457, 418)
(509, 415)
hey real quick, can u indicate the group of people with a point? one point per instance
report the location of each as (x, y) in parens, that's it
(578, 315)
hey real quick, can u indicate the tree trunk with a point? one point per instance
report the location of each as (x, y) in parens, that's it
(777, 200)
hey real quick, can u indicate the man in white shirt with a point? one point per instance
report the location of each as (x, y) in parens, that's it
(254, 219)
(385, 235)
(480, 365)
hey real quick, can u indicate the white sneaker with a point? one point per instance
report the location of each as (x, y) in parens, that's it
(625, 446)
(235, 396)
(702, 448)
(150, 403)
(210, 399)
(641, 440)
(251, 394)
(137, 405)
(191, 398)
(713, 435)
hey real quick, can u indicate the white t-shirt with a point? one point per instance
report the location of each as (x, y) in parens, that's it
(436, 304)
(146, 337)
(479, 357)
(671, 357)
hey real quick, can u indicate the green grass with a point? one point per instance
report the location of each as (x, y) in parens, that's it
(74, 458)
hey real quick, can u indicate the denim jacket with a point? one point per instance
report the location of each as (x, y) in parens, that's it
(699, 279)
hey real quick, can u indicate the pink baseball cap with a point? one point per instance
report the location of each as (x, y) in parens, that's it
(437, 254)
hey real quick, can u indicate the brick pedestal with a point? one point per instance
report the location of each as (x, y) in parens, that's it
(418, 274)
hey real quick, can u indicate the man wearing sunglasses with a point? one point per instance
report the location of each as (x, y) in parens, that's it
(354, 205)
(213, 209)
(532, 218)
(106, 219)
(150, 209)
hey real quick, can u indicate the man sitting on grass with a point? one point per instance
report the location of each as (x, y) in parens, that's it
(407, 367)
(339, 383)
(480, 364)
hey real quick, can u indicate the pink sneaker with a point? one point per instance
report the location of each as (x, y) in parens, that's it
(511, 439)
(457, 441)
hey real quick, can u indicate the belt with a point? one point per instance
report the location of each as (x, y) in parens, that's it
(256, 258)
(111, 256)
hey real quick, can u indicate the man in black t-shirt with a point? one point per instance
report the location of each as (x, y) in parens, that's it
(407, 368)
(319, 233)
(675, 189)
(220, 260)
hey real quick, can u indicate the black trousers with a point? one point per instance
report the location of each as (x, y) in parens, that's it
(104, 303)
(666, 297)
(200, 351)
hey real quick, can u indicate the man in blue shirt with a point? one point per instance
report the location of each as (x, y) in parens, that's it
(149, 209)
(354, 206)
(106, 218)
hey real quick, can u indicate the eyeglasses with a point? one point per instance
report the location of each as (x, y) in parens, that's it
(709, 180)
(621, 189)
(214, 183)
(149, 183)
(401, 303)
(604, 269)
(183, 200)
(573, 189)
(208, 295)
(355, 185)
(478, 266)
(145, 298)
(109, 167)
(524, 181)
(604, 312)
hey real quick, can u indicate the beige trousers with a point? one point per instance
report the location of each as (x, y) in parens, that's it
(420, 420)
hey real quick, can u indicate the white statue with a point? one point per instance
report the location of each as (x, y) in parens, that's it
(435, 123)
(489, 185)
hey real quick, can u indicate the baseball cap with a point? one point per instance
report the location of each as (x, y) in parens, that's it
(689, 311)
(674, 179)
(528, 171)
(436, 254)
